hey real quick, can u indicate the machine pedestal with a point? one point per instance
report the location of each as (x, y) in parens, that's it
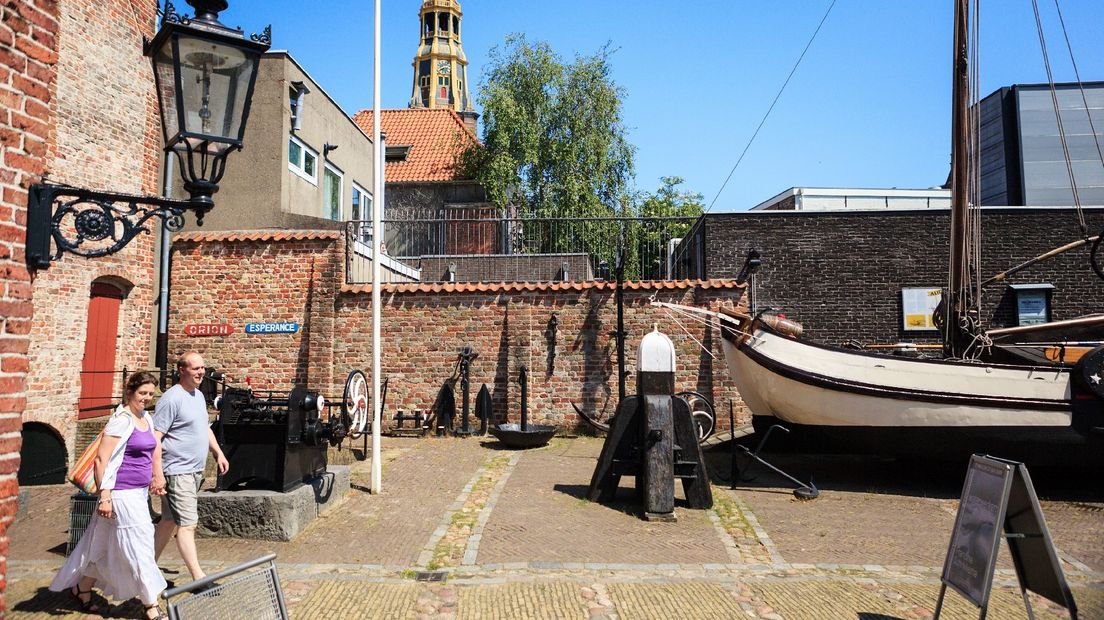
(270, 515)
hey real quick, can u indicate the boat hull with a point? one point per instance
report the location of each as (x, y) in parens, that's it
(890, 404)
(820, 386)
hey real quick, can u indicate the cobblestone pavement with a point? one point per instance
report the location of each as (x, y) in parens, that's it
(517, 541)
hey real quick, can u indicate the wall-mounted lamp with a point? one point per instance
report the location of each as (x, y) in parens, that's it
(326, 148)
(205, 74)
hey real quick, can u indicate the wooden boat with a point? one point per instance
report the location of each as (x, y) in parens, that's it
(955, 403)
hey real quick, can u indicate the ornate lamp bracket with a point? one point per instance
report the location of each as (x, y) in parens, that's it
(92, 224)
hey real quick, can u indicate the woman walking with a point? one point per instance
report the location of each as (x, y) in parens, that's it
(116, 551)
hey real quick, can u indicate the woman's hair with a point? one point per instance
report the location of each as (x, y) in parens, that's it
(139, 379)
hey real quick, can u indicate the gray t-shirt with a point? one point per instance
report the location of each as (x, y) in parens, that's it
(182, 417)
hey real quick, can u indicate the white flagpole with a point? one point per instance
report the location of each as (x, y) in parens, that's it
(377, 231)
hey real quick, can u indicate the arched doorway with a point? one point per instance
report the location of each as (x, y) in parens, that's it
(42, 457)
(98, 378)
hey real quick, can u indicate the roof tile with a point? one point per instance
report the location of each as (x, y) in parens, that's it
(508, 287)
(257, 235)
(435, 137)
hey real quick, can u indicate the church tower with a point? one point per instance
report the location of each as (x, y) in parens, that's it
(440, 67)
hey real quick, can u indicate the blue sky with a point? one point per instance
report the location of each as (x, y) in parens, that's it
(868, 107)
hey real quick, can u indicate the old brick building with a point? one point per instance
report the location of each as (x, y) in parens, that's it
(104, 134)
(78, 108)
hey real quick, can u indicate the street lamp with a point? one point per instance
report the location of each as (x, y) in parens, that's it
(205, 74)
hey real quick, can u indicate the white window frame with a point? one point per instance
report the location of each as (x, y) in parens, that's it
(365, 232)
(299, 167)
(340, 193)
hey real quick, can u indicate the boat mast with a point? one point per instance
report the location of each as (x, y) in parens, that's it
(956, 306)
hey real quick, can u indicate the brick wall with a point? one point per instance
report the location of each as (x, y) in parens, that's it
(242, 278)
(104, 134)
(28, 56)
(840, 273)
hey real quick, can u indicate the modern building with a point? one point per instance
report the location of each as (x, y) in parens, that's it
(1024, 147)
(852, 199)
(440, 66)
(866, 276)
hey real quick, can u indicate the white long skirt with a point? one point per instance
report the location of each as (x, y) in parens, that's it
(117, 552)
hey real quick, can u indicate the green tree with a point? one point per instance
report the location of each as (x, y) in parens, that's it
(553, 142)
(669, 201)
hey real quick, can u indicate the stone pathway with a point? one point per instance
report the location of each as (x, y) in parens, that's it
(516, 539)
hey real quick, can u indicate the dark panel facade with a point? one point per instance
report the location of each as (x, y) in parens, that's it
(840, 274)
(1023, 159)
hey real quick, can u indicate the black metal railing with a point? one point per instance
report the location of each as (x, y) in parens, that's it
(519, 249)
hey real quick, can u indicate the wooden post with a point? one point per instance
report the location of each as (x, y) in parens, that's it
(655, 387)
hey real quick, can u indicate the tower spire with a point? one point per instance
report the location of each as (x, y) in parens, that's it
(440, 66)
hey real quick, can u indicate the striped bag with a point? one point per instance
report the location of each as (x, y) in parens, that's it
(83, 474)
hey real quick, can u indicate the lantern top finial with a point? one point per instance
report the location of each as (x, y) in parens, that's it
(208, 10)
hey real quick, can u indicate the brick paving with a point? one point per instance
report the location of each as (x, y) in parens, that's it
(871, 547)
(543, 516)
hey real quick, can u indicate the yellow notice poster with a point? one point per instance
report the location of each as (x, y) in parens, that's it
(917, 306)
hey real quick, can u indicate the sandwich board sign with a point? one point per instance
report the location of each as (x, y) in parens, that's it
(999, 499)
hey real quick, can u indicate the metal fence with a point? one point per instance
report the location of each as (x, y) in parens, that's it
(519, 249)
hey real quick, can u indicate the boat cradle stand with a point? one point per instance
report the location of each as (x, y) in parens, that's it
(802, 492)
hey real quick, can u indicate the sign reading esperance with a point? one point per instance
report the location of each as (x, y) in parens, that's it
(271, 328)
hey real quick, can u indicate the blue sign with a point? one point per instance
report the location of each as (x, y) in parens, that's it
(271, 328)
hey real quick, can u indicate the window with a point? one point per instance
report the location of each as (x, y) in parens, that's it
(425, 80)
(331, 185)
(302, 160)
(362, 212)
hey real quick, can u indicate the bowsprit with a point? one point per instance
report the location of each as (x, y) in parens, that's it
(275, 441)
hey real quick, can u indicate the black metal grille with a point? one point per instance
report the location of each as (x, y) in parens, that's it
(497, 249)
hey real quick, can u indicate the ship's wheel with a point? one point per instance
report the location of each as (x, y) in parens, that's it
(701, 410)
(354, 403)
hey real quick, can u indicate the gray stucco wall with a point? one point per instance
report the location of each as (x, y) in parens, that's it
(259, 190)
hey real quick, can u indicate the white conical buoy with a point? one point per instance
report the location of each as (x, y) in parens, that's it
(656, 353)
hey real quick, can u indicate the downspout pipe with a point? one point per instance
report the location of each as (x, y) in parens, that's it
(161, 350)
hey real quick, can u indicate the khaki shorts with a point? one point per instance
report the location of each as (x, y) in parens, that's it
(182, 496)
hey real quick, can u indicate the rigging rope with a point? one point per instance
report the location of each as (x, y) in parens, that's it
(776, 97)
(1080, 86)
(1058, 118)
(689, 335)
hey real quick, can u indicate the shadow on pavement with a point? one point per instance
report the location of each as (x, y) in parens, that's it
(897, 476)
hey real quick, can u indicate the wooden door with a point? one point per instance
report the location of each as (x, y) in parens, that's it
(99, 382)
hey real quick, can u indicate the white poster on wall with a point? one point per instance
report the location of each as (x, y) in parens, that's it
(917, 306)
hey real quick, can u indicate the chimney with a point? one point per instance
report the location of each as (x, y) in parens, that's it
(470, 121)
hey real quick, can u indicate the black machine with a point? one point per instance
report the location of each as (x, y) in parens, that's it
(275, 441)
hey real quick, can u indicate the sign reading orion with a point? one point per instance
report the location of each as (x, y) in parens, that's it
(271, 328)
(208, 329)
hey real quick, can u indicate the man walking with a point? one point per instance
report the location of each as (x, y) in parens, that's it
(180, 422)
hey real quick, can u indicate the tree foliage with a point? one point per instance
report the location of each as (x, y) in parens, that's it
(651, 235)
(554, 146)
(553, 137)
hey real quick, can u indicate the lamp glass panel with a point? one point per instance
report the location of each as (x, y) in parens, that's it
(166, 89)
(214, 78)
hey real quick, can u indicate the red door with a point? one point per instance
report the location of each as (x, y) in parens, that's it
(98, 378)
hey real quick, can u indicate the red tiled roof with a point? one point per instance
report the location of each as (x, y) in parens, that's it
(434, 137)
(506, 287)
(257, 235)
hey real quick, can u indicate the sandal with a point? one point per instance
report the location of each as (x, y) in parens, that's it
(88, 606)
(160, 613)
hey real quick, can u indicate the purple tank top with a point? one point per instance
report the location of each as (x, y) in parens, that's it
(136, 470)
